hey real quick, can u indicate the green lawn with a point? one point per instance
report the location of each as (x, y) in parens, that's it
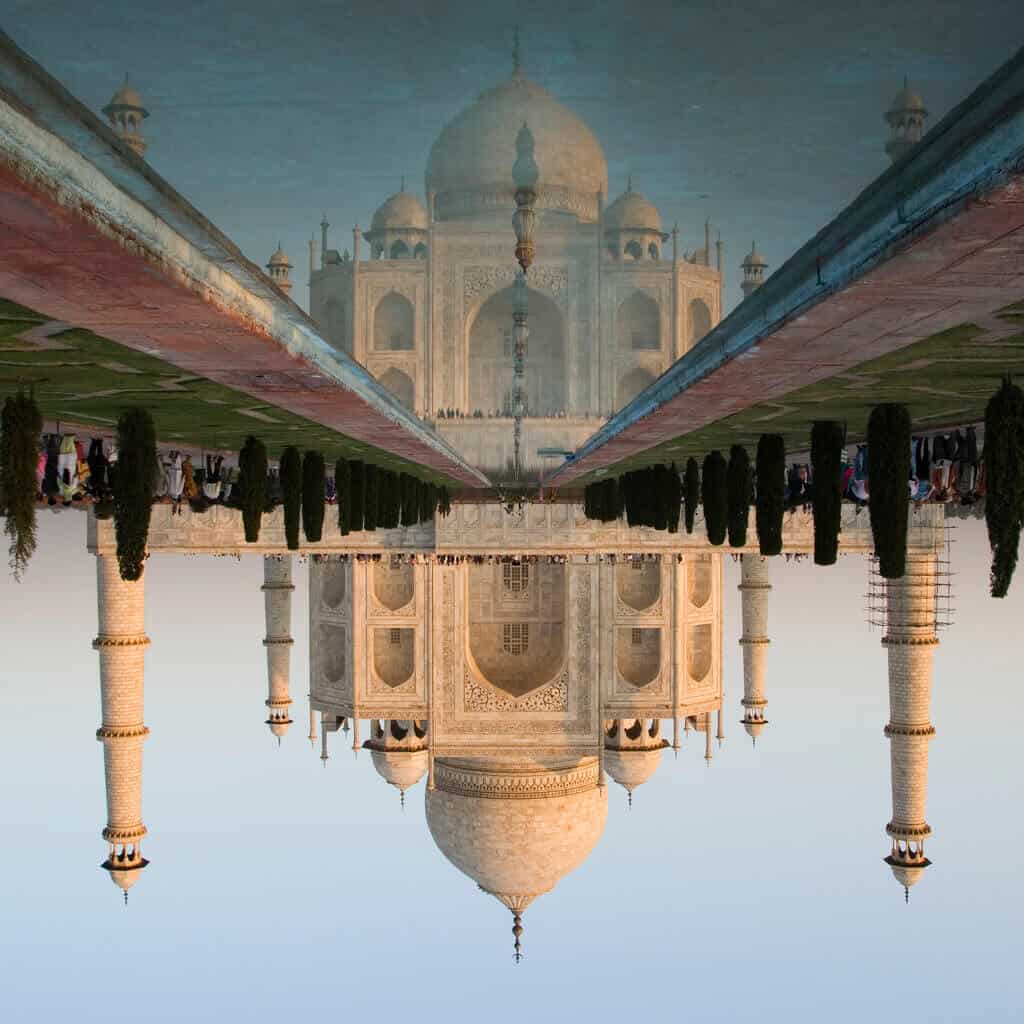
(945, 379)
(80, 377)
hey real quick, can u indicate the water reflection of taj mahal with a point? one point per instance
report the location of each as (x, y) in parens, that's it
(514, 688)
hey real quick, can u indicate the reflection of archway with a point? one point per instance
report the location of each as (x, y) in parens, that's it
(400, 385)
(490, 356)
(331, 642)
(399, 250)
(638, 654)
(393, 655)
(631, 385)
(516, 635)
(633, 251)
(394, 584)
(700, 581)
(700, 320)
(394, 327)
(334, 584)
(698, 651)
(638, 323)
(638, 582)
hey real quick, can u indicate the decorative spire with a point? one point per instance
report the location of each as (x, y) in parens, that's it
(402, 799)
(515, 52)
(629, 798)
(906, 889)
(402, 187)
(125, 890)
(629, 183)
(517, 931)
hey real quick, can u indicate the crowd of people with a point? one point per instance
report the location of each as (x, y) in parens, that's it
(499, 414)
(945, 468)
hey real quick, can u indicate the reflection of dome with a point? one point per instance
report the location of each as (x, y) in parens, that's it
(632, 768)
(126, 98)
(279, 259)
(400, 768)
(907, 875)
(401, 210)
(753, 258)
(470, 166)
(755, 727)
(279, 726)
(906, 99)
(632, 212)
(516, 829)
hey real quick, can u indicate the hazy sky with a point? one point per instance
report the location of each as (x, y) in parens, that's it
(764, 116)
(751, 891)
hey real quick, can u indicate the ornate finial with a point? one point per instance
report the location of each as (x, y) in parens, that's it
(517, 930)
(402, 799)
(515, 51)
(629, 183)
(629, 798)
(906, 894)
(323, 221)
(126, 891)
(279, 741)
(753, 742)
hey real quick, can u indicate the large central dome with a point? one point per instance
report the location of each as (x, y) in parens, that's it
(470, 166)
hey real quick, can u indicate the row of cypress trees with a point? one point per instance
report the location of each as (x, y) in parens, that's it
(21, 423)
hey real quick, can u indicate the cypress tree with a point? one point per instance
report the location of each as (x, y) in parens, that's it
(290, 471)
(675, 497)
(771, 492)
(410, 499)
(444, 502)
(252, 486)
(691, 491)
(343, 490)
(357, 489)
(1004, 482)
(738, 495)
(888, 475)
(714, 494)
(826, 488)
(134, 485)
(21, 423)
(390, 500)
(314, 496)
(660, 496)
(370, 497)
(610, 500)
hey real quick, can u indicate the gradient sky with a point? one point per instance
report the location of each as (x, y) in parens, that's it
(765, 117)
(751, 891)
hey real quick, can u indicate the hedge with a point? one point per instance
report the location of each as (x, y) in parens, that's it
(134, 486)
(771, 492)
(738, 495)
(715, 497)
(691, 491)
(291, 491)
(888, 440)
(252, 486)
(21, 423)
(314, 495)
(826, 489)
(1004, 482)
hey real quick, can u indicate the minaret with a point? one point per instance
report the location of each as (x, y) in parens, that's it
(906, 116)
(280, 270)
(277, 604)
(121, 643)
(754, 589)
(125, 113)
(753, 266)
(909, 641)
(324, 225)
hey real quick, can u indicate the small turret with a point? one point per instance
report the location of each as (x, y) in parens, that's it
(280, 270)
(277, 594)
(753, 266)
(906, 116)
(126, 113)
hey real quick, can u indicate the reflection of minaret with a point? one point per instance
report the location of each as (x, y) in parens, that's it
(755, 589)
(277, 601)
(909, 640)
(632, 751)
(121, 643)
(399, 752)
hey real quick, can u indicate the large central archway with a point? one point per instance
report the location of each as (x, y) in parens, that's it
(490, 356)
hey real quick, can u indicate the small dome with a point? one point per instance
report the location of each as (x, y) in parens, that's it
(632, 212)
(279, 726)
(907, 99)
(124, 879)
(754, 258)
(516, 829)
(754, 729)
(402, 210)
(907, 875)
(126, 98)
(279, 258)
(400, 768)
(632, 768)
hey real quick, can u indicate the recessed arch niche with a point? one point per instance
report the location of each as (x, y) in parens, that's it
(394, 323)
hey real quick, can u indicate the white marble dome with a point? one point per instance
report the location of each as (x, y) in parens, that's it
(400, 768)
(632, 212)
(470, 165)
(632, 768)
(516, 829)
(402, 210)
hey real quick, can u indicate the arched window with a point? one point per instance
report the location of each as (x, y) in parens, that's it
(638, 324)
(631, 385)
(490, 356)
(399, 251)
(420, 252)
(400, 385)
(394, 328)
(700, 320)
(633, 251)
(638, 659)
(652, 251)
(516, 577)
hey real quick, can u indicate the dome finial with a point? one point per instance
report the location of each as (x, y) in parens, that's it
(402, 186)
(517, 930)
(906, 894)
(402, 799)
(629, 183)
(629, 798)
(515, 51)
(125, 890)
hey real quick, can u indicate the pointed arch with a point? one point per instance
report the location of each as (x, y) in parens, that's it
(400, 385)
(638, 323)
(699, 316)
(394, 324)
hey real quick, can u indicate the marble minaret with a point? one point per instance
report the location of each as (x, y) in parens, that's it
(909, 641)
(121, 643)
(755, 588)
(277, 601)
